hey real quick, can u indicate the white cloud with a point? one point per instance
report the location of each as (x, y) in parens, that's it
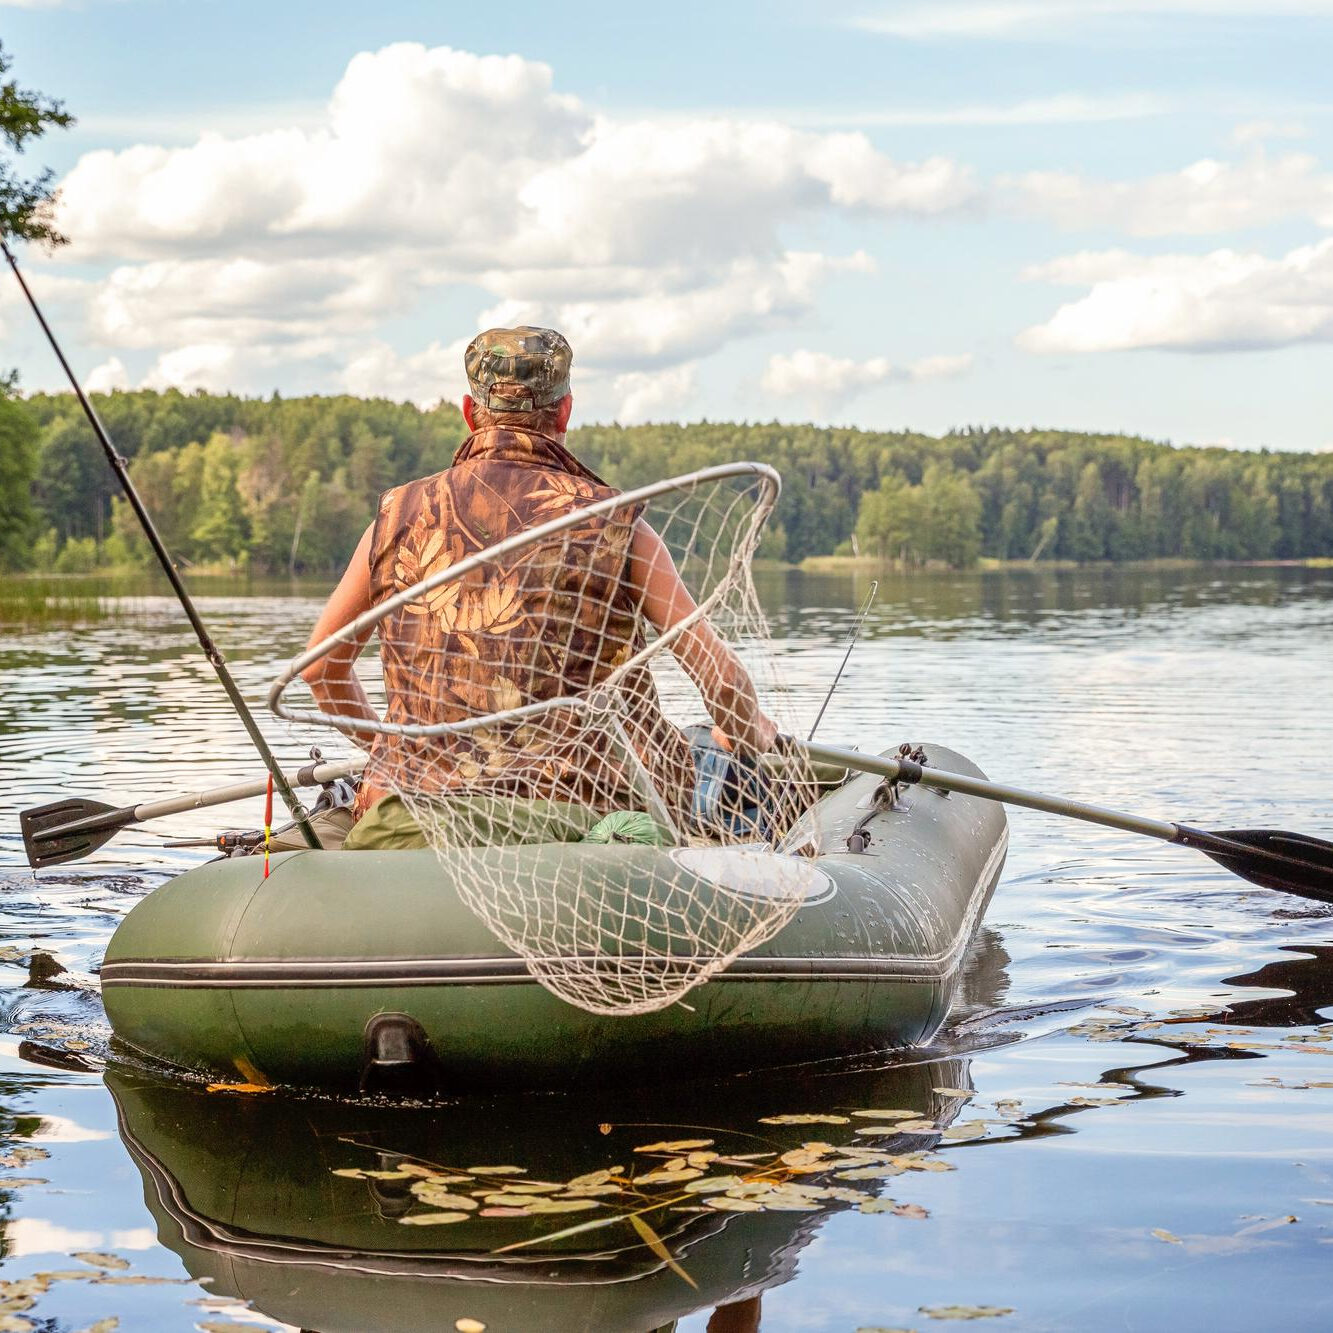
(653, 395)
(822, 378)
(425, 378)
(1023, 19)
(1223, 301)
(1207, 196)
(651, 241)
(108, 377)
(1262, 131)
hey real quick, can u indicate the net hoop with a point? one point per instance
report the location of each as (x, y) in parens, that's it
(514, 784)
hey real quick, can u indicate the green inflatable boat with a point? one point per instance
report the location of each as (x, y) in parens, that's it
(342, 968)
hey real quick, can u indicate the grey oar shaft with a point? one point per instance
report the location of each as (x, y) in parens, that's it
(311, 776)
(908, 771)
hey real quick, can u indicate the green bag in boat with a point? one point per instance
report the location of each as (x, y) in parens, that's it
(628, 826)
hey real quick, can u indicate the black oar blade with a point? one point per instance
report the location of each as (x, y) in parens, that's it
(1274, 859)
(68, 830)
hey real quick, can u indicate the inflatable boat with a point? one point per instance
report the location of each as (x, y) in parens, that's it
(342, 967)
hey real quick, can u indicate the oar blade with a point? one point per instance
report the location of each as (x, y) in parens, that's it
(69, 830)
(1274, 859)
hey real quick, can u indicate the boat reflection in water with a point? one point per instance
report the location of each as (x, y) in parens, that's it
(243, 1190)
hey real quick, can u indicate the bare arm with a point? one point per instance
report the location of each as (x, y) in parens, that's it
(332, 679)
(709, 662)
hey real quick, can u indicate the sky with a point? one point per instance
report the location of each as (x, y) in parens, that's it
(1109, 215)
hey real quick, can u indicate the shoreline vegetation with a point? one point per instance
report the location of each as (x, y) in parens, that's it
(285, 487)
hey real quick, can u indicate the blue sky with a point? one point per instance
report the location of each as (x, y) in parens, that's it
(1100, 214)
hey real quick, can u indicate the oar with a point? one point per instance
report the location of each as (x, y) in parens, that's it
(1289, 862)
(69, 830)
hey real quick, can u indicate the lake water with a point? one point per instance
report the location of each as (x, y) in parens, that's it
(1148, 1041)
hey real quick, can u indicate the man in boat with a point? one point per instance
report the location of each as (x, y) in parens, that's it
(553, 623)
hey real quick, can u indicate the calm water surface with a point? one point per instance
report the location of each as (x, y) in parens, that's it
(1147, 1040)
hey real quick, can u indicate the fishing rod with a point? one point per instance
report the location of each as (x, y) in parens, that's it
(1273, 859)
(211, 650)
(852, 635)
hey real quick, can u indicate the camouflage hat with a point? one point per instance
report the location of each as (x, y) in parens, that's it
(518, 370)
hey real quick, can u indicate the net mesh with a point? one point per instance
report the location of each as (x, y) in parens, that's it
(545, 699)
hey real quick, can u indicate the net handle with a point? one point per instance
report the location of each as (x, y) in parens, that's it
(354, 630)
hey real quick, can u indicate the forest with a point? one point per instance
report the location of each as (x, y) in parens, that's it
(287, 485)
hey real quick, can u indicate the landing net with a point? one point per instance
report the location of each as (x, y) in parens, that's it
(543, 728)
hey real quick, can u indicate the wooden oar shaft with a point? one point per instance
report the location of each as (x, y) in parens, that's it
(312, 775)
(906, 770)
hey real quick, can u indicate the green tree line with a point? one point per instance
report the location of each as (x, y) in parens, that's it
(288, 485)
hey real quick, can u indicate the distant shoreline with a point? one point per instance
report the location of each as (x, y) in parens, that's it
(862, 564)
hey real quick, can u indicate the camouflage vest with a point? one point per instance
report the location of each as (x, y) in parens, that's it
(550, 621)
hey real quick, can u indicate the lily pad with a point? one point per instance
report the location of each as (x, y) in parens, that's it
(1160, 1233)
(595, 1178)
(100, 1259)
(669, 1177)
(966, 1311)
(675, 1145)
(724, 1203)
(805, 1120)
(432, 1219)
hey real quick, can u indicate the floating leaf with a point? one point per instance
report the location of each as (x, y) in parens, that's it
(350, 1172)
(107, 1325)
(804, 1120)
(593, 1178)
(911, 1210)
(712, 1184)
(676, 1145)
(845, 1194)
(432, 1219)
(655, 1243)
(592, 1191)
(22, 1182)
(808, 1158)
(965, 1093)
(966, 1311)
(504, 1199)
(497, 1170)
(666, 1177)
(469, 1326)
(505, 1212)
(887, 1115)
(1095, 1101)
(878, 1206)
(1166, 1236)
(386, 1175)
(137, 1280)
(971, 1129)
(21, 1156)
(100, 1259)
(15, 1323)
(701, 1158)
(726, 1204)
(239, 1087)
(442, 1198)
(882, 1172)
